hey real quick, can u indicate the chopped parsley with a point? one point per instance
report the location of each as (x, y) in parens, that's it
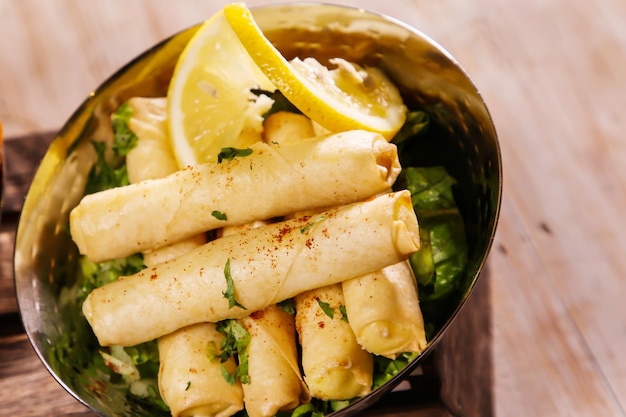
(219, 215)
(326, 308)
(312, 223)
(229, 294)
(344, 313)
(235, 344)
(330, 311)
(125, 139)
(110, 171)
(288, 306)
(231, 153)
(188, 386)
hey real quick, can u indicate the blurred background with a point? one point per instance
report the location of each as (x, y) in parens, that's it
(553, 74)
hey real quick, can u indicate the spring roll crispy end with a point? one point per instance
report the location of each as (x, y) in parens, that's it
(387, 160)
(384, 311)
(405, 228)
(328, 382)
(389, 336)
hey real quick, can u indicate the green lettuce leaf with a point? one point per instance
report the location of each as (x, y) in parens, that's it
(440, 263)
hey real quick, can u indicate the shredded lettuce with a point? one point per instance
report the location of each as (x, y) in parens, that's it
(124, 138)
(440, 263)
(416, 123)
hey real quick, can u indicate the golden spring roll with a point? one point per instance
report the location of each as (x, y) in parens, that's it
(190, 378)
(276, 382)
(318, 172)
(257, 267)
(335, 366)
(384, 312)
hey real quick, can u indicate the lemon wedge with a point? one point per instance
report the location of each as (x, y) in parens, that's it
(343, 98)
(209, 100)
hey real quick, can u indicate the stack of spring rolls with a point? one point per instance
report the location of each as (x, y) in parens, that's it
(307, 215)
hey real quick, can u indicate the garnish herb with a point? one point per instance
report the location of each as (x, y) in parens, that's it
(135, 367)
(326, 308)
(235, 344)
(312, 223)
(228, 376)
(103, 175)
(229, 294)
(188, 386)
(288, 306)
(330, 311)
(385, 368)
(219, 215)
(280, 102)
(307, 410)
(110, 172)
(344, 313)
(231, 153)
(125, 139)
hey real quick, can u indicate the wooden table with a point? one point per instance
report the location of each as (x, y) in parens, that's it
(552, 73)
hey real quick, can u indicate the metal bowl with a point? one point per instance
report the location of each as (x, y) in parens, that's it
(428, 77)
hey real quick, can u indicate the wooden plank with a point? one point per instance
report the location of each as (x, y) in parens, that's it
(541, 353)
(26, 387)
(22, 156)
(551, 73)
(464, 357)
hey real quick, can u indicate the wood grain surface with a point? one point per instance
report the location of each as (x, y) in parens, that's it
(552, 74)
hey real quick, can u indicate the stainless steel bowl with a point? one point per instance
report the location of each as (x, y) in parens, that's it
(466, 144)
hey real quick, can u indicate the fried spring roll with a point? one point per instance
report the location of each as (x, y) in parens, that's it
(276, 383)
(335, 366)
(321, 172)
(190, 377)
(384, 312)
(255, 268)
